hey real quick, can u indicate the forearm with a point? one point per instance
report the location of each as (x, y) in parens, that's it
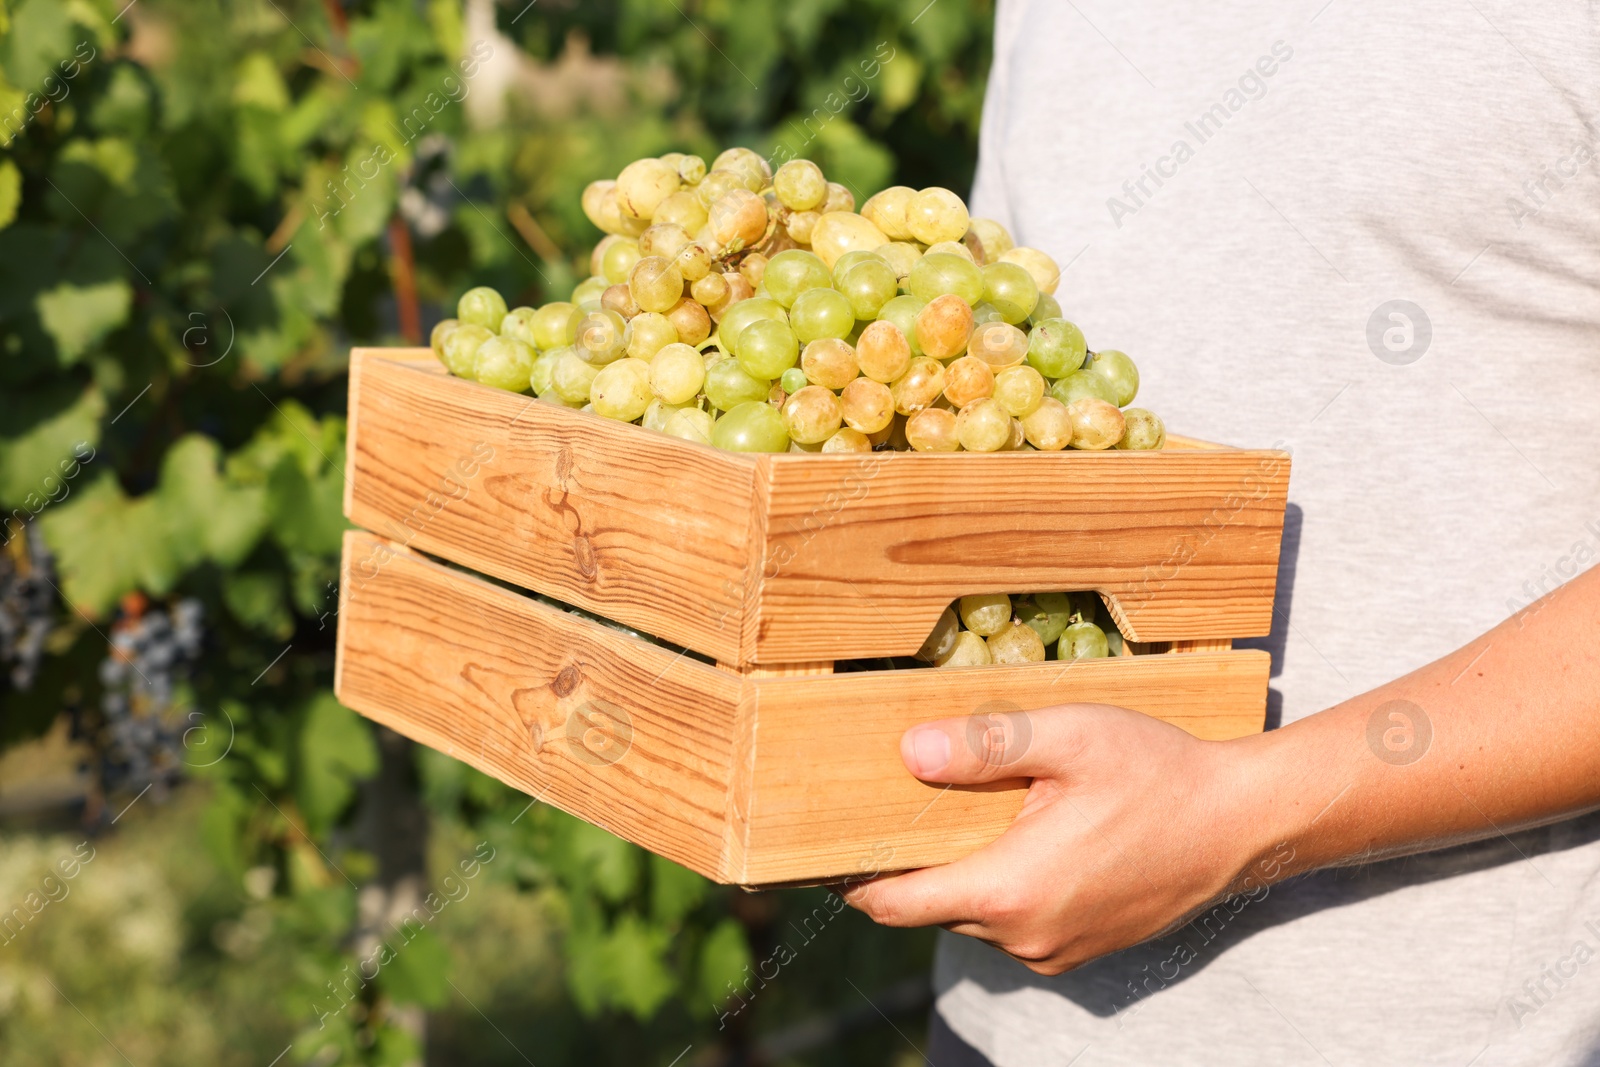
(1515, 741)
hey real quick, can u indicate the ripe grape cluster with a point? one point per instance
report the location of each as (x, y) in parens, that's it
(1031, 628)
(150, 654)
(27, 605)
(759, 312)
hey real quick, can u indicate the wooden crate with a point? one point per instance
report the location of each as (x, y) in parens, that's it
(746, 778)
(761, 559)
(763, 767)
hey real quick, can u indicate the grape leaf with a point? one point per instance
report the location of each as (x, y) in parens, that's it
(336, 751)
(624, 967)
(724, 955)
(80, 317)
(10, 193)
(206, 517)
(674, 891)
(39, 429)
(415, 974)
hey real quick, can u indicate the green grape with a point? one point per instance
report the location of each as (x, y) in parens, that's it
(1048, 428)
(903, 311)
(655, 284)
(742, 314)
(552, 325)
(919, 386)
(819, 313)
(601, 337)
(659, 412)
(847, 440)
(643, 184)
(437, 337)
(954, 248)
(887, 211)
(867, 284)
(692, 169)
(572, 377)
(935, 215)
(1019, 390)
(932, 430)
(794, 379)
(969, 650)
(967, 379)
(728, 385)
(1080, 383)
(541, 379)
(461, 347)
(983, 426)
(1056, 348)
(589, 291)
(482, 307)
(792, 272)
(505, 363)
(1119, 370)
(621, 390)
(829, 362)
(1016, 644)
(519, 325)
(986, 312)
(749, 165)
(842, 265)
(799, 185)
(811, 415)
(902, 257)
(867, 406)
(944, 326)
(941, 273)
(1082, 640)
(648, 333)
(1048, 614)
(691, 424)
(1096, 423)
(943, 637)
(1011, 289)
(754, 426)
(665, 239)
(618, 260)
(1144, 432)
(1048, 307)
(985, 614)
(677, 374)
(767, 348)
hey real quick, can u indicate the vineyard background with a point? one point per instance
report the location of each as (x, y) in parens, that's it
(204, 204)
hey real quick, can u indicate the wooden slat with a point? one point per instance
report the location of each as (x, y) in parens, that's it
(1204, 644)
(784, 559)
(640, 527)
(830, 797)
(781, 670)
(863, 552)
(514, 688)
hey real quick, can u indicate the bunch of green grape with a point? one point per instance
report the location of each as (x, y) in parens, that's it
(758, 312)
(1029, 628)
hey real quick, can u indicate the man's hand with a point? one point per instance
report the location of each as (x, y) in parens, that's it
(1129, 826)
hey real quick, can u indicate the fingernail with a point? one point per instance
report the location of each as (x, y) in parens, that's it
(930, 749)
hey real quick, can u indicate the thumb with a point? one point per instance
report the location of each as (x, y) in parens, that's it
(994, 746)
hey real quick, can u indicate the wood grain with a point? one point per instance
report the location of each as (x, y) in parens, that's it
(615, 730)
(608, 517)
(799, 559)
(745, 777)
(863, 552)
(830, 797)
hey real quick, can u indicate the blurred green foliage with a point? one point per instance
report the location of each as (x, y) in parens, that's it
(203, 205)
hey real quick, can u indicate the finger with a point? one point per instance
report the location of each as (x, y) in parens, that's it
(998, 745)
(933, 896)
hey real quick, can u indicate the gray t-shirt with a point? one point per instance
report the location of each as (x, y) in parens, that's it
(1238, 193)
